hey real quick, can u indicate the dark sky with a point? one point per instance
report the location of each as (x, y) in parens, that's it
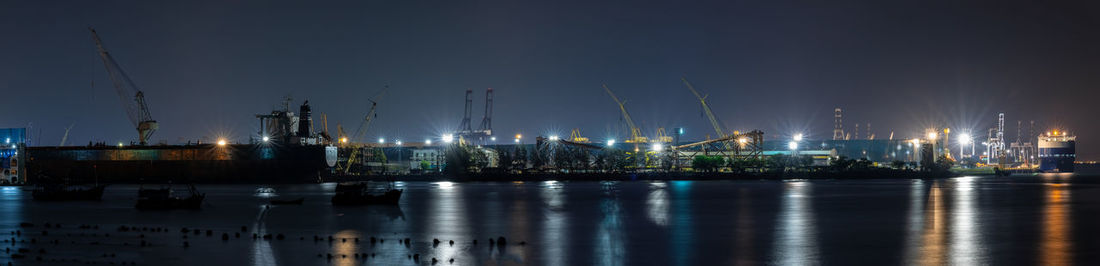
(207, 66)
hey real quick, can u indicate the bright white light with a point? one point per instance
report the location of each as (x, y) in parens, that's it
(222, 142)
(743, 140)
(798, 137)
(793, 145)
(448, 138)
(120, 144)
(445, 184)
(964, 138)
(915, 142)
(381, 140)
(398, 143)
(428, 141)
(554, 138)
(7, 140)
(13, 146)
(610, 142)
(517, 140)
(932, 135)
(519, 136)
(493, 138)
(266, 139)
(657, 147)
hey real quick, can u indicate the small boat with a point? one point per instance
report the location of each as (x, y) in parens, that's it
(162, 199)
(67, 193)
(297, 201)
(363, 194)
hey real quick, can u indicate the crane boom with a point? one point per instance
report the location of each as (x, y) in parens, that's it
(133, 99)
(635, 133)
(362, 131)
(706, 108)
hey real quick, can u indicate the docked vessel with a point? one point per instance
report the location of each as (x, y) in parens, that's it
(352, 194)
(67, 193)
(288, 152)
(164, 199)
(1057, 152)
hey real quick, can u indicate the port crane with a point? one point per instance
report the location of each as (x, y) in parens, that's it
(636, 136)
(133, 99)
(362, 131)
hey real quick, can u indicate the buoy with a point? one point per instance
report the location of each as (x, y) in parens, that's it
(502, 241)
(475, 242)
(452, 242)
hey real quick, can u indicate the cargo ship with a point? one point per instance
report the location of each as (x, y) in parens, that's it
(287, 152)
(1057, 152)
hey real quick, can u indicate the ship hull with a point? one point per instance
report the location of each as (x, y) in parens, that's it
(1056, 156)
(244, 163)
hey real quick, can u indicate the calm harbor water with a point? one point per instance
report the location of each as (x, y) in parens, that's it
(1020, 220)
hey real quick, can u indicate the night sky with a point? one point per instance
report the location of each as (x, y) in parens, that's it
(208, 66)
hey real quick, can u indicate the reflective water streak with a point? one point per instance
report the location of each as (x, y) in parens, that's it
(610, 246)
(555, 230)
(935, 229)
(262, 254)
(914, 222)
(682, 234)
(797, 233)
(966, 235)
(1057, 229)
(656, 203)
(449, 222)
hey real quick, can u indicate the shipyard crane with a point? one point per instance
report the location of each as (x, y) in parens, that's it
(706, 109)
(132, 97)
(66, 136)
(635, 133)
(362, 131)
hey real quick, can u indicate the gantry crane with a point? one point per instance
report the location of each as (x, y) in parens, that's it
(635, 133)
(136, 108)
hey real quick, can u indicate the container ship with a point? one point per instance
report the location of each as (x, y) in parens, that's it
(1057, 152)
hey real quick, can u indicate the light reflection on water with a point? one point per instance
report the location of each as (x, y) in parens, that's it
(554, 238)
(450, 222)
(656, 203)
(610, 246)
(1057, 230)
(797, 230)
(928, 222)
(682, 226)
(966, 225)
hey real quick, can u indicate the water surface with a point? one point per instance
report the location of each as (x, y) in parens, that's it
(1022, 220)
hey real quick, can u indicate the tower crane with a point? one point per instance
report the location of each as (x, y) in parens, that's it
(635, 133)
(132, 97)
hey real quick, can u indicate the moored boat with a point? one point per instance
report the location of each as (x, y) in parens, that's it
(162, 199)
(67, 193)
(364, 194)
